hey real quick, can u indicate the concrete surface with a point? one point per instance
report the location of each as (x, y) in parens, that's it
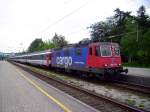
(142, 72)
(18, 95)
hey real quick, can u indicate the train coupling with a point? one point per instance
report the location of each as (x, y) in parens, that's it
(125, 71)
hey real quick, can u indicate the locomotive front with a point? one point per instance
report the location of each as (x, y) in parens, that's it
(104, 58)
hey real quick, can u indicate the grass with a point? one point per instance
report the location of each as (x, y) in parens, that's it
(134, 64)
(51, 74)
(141, 106)
(131, 102)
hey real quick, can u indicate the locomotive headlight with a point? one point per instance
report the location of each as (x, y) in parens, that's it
(105, 65)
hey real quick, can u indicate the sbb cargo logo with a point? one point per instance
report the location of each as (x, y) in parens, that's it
(67, 61)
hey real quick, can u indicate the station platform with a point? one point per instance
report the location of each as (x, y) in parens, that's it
(139, 76)
(142, 72)
(22, 92)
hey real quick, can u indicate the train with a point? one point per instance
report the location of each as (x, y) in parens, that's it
(99, 59)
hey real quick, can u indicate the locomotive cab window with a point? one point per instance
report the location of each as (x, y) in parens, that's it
(97, 51)
(90, 51)
(105, 50)
(117, 51)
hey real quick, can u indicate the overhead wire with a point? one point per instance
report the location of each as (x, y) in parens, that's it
(71, 13)
(124, 34)
(64, 17)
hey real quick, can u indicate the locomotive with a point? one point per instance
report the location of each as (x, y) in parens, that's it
(100, 59)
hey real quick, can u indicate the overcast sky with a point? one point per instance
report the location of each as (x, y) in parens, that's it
(21, 21)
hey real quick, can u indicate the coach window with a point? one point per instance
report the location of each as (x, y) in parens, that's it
(44, 56)
(33, 57)
(39, 57)
(90, 51)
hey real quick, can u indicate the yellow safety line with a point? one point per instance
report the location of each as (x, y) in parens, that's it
(45, 93)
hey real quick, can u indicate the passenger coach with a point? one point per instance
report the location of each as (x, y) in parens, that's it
(39, 58)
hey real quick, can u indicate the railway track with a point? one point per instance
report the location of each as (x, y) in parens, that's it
(91, 98)
(130, 86)
(134, 87)
(122, 84)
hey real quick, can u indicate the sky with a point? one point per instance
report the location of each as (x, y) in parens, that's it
(21, 21)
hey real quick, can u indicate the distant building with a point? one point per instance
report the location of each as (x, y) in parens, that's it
(6, 55)
(1, 56)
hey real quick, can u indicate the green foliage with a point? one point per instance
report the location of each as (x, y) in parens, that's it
(59, 40)
(142, 18)
(136, 45)
(34, 46)
(131, 102)
(136, 64)
(40, 45)
(102, 31)
(46, 45)
(131, 32)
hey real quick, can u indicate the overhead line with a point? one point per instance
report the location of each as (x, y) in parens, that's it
(59, 20)
(124, 34)
(74, 11)
(74, 32)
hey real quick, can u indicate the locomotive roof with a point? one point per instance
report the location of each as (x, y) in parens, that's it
(89, 44)
(103, 43)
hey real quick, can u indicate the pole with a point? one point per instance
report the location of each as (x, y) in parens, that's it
(137, 34)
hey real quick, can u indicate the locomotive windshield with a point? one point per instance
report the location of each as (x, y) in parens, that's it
(117, 51)
(105, 50)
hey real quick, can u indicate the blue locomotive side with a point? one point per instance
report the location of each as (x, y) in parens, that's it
(70, 58)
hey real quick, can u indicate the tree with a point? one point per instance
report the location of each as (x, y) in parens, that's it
(35, 45)
(46, 45)
(100, 31)
(59, 40)
(135, 44)
(120, 17)
(131, 32)
(142, 18)
(115, 25)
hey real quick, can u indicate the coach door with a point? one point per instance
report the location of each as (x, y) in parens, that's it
(90, 57)
(48, 59)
